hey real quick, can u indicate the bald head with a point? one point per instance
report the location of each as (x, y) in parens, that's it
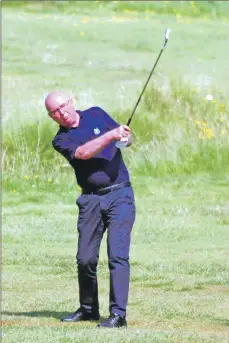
(60, 108)
(55, 99)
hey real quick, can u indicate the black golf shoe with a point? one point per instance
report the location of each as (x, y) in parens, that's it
(81, 315)
(114, 321)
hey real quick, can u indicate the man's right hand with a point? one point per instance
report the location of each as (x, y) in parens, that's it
(121, 132)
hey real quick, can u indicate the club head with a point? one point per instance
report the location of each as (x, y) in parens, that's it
(167, 33)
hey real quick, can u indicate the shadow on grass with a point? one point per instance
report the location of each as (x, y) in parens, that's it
(221, 321)
(59, 315)
(45, 314)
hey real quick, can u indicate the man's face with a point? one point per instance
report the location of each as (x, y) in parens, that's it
(65, 114)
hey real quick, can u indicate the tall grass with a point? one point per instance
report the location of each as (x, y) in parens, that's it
(186, 134)
(176, 131)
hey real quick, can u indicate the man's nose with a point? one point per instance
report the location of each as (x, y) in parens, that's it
(65, 114)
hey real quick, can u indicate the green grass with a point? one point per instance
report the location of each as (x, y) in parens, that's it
(205, 9)
(102, 53)
(108, 66)
(179, 266)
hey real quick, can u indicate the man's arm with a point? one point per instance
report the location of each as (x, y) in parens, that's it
(90, 149)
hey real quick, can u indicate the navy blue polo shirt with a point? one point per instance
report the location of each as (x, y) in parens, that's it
(102, 170)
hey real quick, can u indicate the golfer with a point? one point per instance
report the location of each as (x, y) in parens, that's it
(87, 140)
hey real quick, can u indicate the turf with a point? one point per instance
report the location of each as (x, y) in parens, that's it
(179, 266)
(102, 52)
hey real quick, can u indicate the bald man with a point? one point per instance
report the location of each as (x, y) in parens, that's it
(87, 139)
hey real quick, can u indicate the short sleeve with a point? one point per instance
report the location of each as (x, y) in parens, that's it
(65, 147)
(109, 122)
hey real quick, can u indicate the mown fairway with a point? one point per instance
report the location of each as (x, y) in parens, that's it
(102, 55)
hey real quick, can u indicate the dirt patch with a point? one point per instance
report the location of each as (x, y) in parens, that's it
(217, 289)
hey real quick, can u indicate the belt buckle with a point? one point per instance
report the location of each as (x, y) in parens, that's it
(103, 191)
(100, 192)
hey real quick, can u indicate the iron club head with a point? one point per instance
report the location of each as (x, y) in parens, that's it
(167, 33)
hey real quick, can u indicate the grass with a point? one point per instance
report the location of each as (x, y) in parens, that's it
(178, 293)
(179, 125)
(102, 53)
(211, 9)
(186, 134)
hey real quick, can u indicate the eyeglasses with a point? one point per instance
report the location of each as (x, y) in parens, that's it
(60, 108)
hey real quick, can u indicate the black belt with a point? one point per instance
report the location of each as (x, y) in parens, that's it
(105, 190)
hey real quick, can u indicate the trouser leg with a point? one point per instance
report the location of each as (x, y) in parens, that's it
(90, 229)
(120, 220)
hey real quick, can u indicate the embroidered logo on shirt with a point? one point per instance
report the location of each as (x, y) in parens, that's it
(96, 131)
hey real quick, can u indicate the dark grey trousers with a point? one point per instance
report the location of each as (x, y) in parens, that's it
(114, 212)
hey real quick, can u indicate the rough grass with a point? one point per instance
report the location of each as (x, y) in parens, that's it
(176, 131)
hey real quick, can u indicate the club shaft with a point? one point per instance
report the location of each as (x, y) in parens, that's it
(129, 120)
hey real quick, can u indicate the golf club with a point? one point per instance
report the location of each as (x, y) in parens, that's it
(123, 142)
